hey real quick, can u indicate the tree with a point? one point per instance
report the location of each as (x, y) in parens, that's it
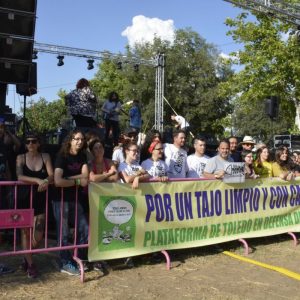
(46, 116)
(192, 76)
(270, 66)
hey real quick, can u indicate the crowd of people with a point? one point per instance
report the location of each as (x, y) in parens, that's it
(81, 159)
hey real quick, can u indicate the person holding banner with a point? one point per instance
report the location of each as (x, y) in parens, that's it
(101, 169)
(282, 167)
(155, 166)
(196, 162)
(33, 167)
(215, 167)
(247, 158)
(129, 170)
(262, 165)
(176, 156)
(71, 173)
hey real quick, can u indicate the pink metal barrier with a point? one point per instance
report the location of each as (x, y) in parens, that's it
(19, 218)
(14, 218)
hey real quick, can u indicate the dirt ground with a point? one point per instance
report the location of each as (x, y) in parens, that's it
(200, 273)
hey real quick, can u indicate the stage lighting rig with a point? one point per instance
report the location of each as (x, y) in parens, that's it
(60, 60)
(90, 64)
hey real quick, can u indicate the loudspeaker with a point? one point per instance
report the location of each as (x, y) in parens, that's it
(22, 5)
(30, 88)
(272, 106)
(12, 72)
(18, 24)
(14, 48)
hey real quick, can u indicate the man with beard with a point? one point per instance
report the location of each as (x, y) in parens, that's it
(176, 156)
(215, 167)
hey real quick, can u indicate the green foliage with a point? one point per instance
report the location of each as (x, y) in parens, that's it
(270, 66)
(46, 116)
(192, 75)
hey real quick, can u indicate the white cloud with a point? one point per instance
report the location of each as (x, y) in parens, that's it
(144, 30)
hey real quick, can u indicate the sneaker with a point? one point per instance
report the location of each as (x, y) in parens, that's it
(32, 271)
(70, 269)
(129, 262)
(5, 270)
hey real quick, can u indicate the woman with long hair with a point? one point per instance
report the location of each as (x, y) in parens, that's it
(247, 158)
(33, 167)
(71, 173)
(262, 164)
(283, 166)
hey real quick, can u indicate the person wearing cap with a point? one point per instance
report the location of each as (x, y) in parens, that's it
(176, 155)
(130, 134)
(215, 167)
(248, 143)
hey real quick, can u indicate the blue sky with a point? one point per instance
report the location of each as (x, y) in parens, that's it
(98, 25)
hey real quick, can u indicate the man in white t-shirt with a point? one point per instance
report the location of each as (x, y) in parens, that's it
(196, 162)
(181, 122)
(176, 156)
(215, 167)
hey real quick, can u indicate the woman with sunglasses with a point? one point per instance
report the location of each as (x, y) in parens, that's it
(247, 158)
(155, 166)
(33, 167)
(283, 165)
(129, 170)
(71, 173)
(262, 165)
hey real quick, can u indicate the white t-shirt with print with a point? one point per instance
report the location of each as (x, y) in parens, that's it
(155, 168)
(175, 159)
(130, 170)
(196, 165)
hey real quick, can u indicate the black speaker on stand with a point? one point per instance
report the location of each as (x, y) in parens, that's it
(272, 107)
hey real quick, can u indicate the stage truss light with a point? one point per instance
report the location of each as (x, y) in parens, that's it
(60, 60)
(90, 64)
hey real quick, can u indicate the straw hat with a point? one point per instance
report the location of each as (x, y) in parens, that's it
(248, 140)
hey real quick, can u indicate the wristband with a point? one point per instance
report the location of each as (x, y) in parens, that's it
(77, 181)
(46, 180)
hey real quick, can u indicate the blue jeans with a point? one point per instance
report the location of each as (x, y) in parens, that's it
(69, 217)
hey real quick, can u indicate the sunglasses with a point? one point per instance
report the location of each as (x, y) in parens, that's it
(31, 142)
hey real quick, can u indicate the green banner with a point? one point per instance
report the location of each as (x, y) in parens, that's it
(184, 214)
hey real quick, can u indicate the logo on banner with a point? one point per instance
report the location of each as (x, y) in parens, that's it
(234, 172)
(118, 225)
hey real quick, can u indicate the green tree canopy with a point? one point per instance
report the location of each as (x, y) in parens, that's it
(270, 62)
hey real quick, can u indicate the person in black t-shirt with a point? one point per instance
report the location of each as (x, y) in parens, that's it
(71, 173)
